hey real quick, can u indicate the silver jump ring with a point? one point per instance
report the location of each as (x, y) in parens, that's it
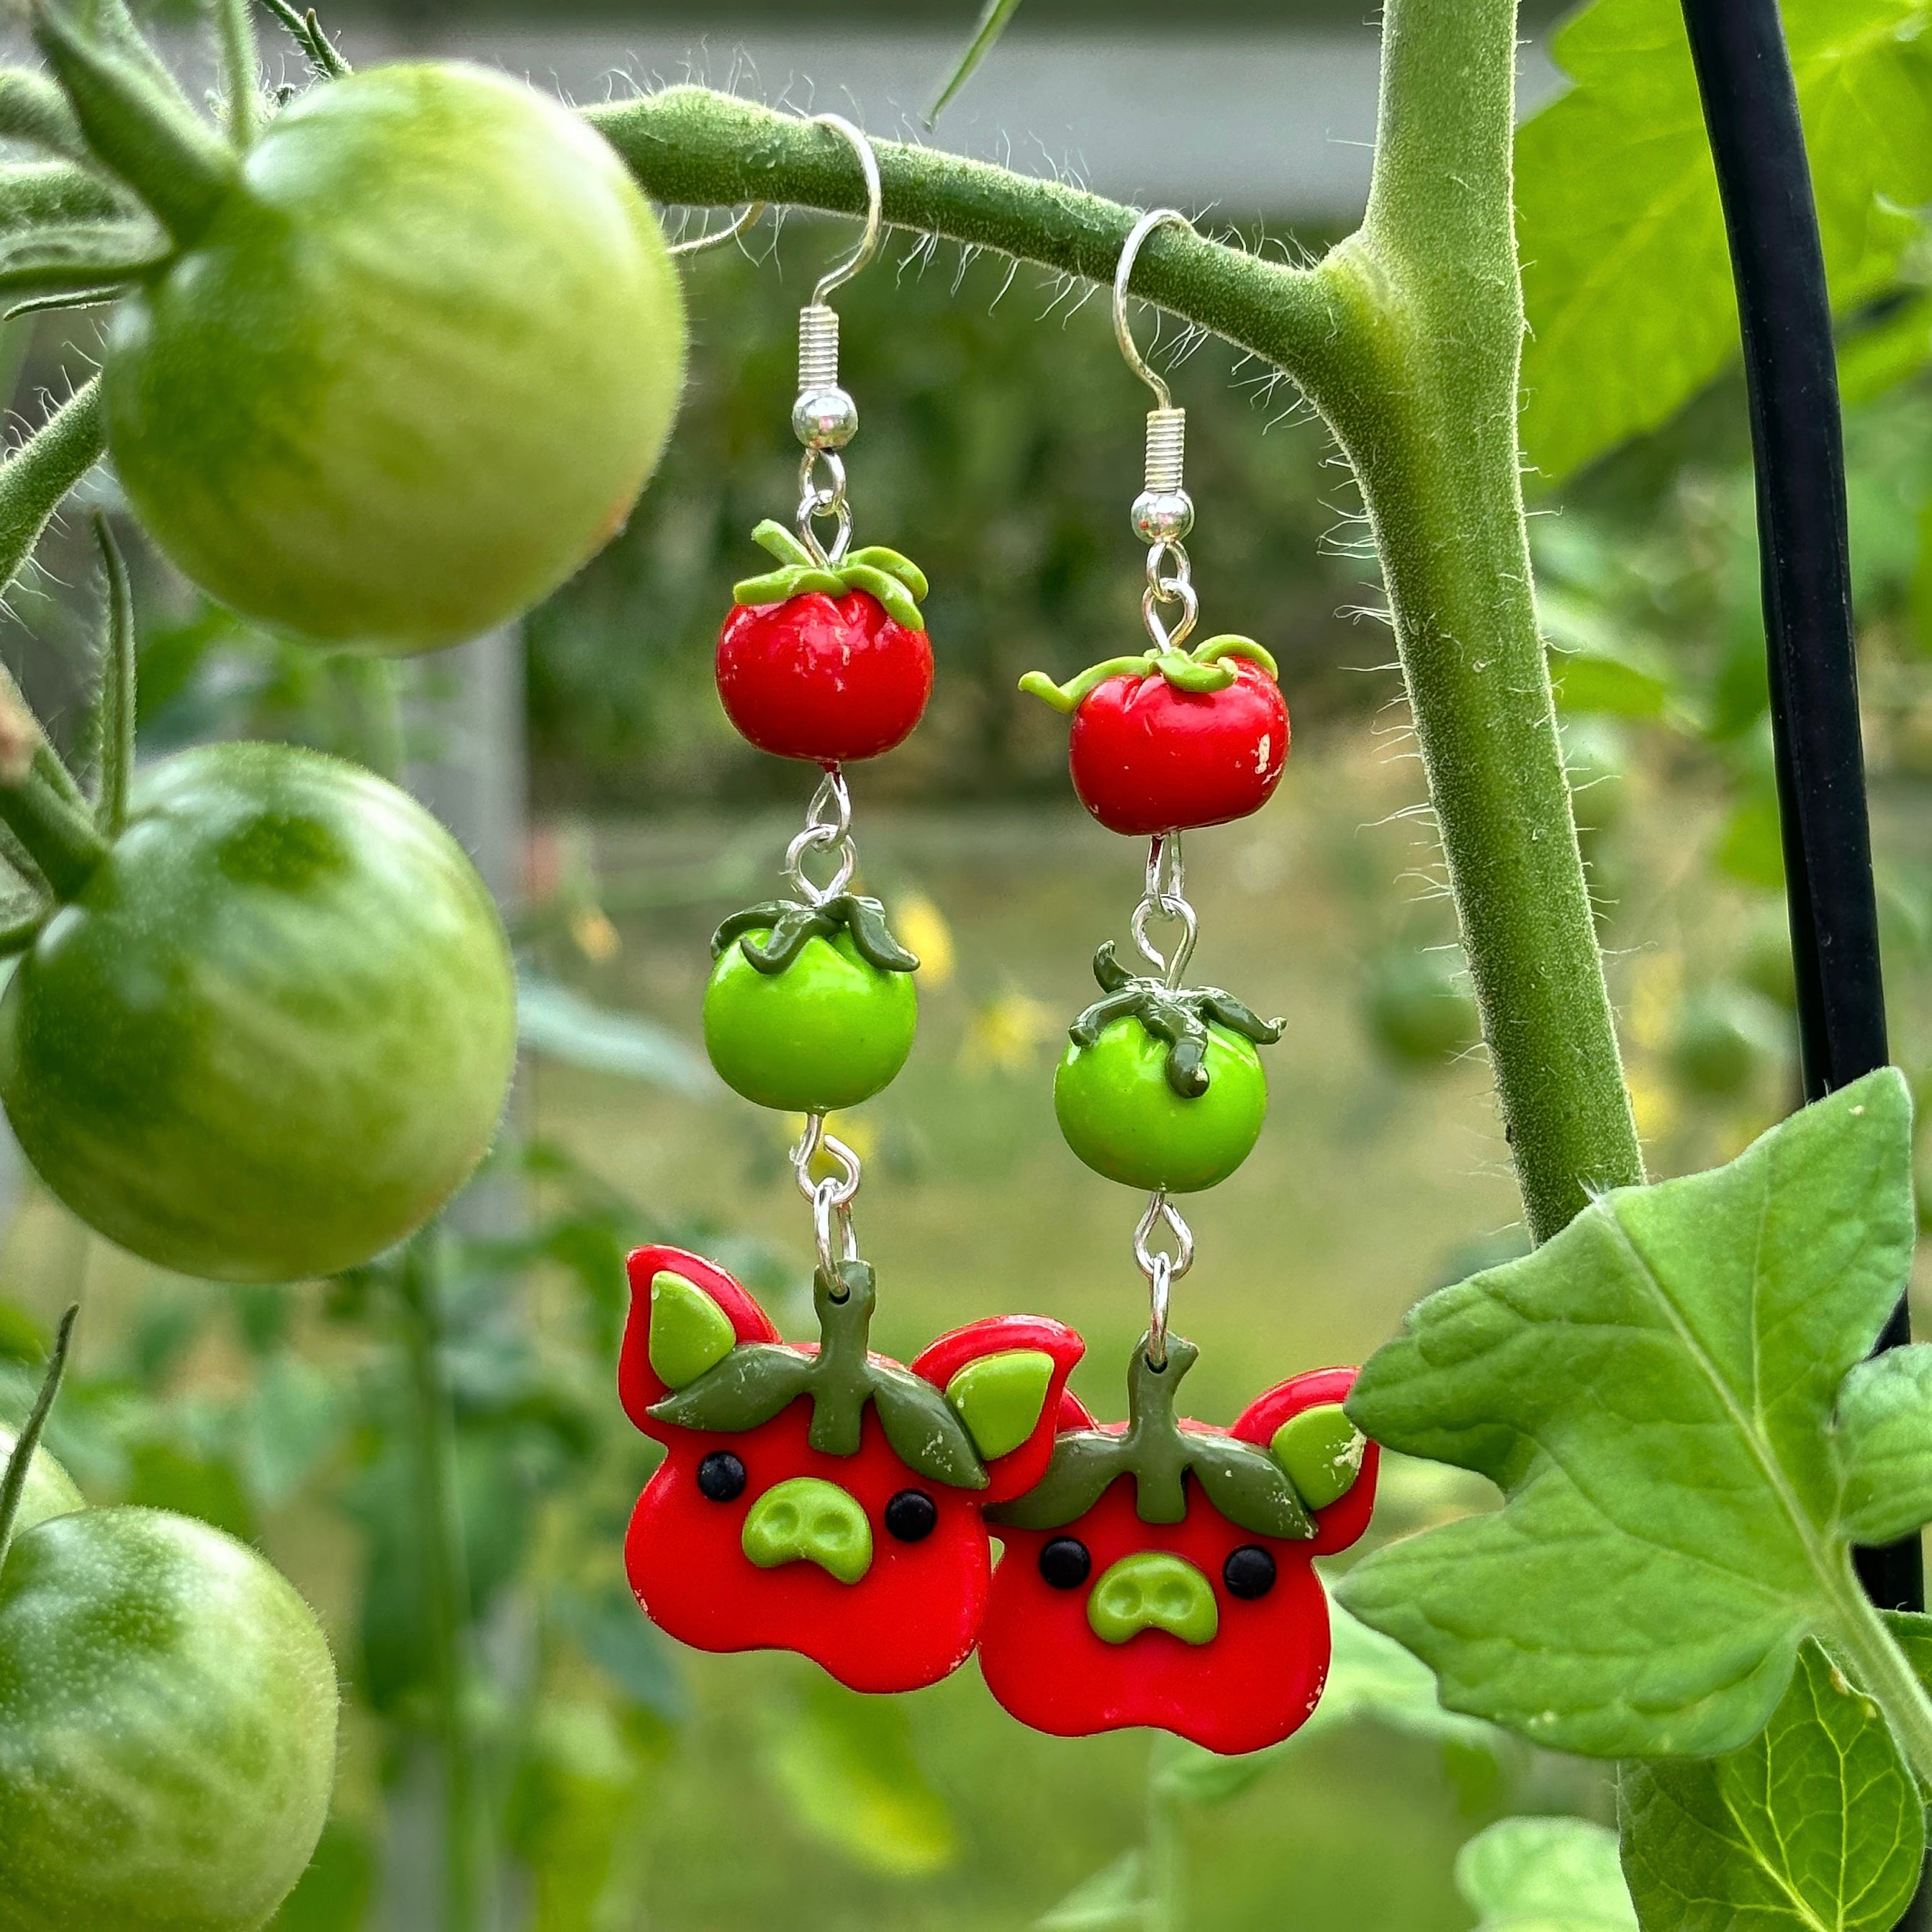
(698, 244)
(838, 277)
(828, 827)
(829, 1215)
(1162, 1269)
(816, 500)
(1124, 272)
(1160, 635)
(1170, 966)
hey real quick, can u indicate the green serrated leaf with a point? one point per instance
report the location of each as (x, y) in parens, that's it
(1626, 274)
(1653, 1390)
(1815, 1822)
(992, 24)
(1545, 1875)
(1885, 1445)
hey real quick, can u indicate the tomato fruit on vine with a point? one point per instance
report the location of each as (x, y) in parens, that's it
(828, 1031)
(167, 1728)
(49, 1492)
(272, 1032)
(1120, 1114)
(413, 370)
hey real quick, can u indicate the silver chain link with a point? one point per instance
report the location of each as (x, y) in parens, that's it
(1165, 898)
(828, 827)
(1162, 1269)
(831, 1197)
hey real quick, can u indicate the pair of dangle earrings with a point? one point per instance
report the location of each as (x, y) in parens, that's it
(822, 1498)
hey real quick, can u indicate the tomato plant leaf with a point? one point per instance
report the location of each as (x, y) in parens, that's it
(1816, 1821)
(1370, 1675)
(1885, 1445)
(845, 1763)
(1113, 1896)
(1545, 1875)
(1653, 1390)
(993, 21)
(1626, 274)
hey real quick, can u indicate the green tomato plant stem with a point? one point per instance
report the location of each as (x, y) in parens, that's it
(240, 77)
(13, 1480)
(370, 711)
(418, 1287)
(1882, 1668)
(1406, 338)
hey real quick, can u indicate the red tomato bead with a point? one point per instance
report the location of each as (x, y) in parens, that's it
(822, 679)
(1147, 757)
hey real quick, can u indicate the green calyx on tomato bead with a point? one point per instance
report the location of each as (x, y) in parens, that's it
(411, 359)
(894, 579)
(1240, 1479)
(771, 935)
(1181, 1016)
(1203, 668)
(825, 1030)
(167, 1728)
(273, 1032)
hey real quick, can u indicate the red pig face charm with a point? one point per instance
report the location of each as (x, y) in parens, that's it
(826, 1500)
(1160, 1572)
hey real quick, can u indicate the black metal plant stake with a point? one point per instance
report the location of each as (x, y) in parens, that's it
(1777, 262)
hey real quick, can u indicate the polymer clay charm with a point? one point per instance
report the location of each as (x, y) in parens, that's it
(824, 1499)
(1161, 1573)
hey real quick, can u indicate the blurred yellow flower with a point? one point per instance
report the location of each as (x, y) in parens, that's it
(921, 925)
(1006, 1034)
(860, 1136)
(595, 938)
(1653, 1107)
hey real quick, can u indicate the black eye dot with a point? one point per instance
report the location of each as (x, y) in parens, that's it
(912, 1516)
(1249, 1572)
(721, 1476)
(1065, 1564)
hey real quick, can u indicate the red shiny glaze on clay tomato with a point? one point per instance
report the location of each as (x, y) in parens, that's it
(1147, 757)
(828, 679)
(912, 1617)
(1256, 1682)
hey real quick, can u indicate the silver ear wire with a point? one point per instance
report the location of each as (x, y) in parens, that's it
(824, 418)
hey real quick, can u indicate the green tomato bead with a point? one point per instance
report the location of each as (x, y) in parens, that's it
(1123, 1119)
(829, 1031)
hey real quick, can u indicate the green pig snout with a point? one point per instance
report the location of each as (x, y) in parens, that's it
(1153, 1589)
(806, 1519)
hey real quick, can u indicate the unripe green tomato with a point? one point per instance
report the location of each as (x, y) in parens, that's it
(273, 1032)
(1123, 1119)
(829, 1031)
(167, 1728)
(413, 373)
(1721, 1038)
(1419, 1010)
(49, 1491)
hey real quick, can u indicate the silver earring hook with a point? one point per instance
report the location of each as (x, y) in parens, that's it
(868, 242)
(698, 244)
(1130, 249)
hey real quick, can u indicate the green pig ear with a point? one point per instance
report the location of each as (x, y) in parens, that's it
(1000, 1398)
(1320, 1452)
(689, 1332)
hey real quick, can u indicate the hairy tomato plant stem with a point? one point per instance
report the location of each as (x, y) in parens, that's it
(13, 1477)
(1884, 1670)
(1407, 339)
(418, 1287)
(370, 711)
